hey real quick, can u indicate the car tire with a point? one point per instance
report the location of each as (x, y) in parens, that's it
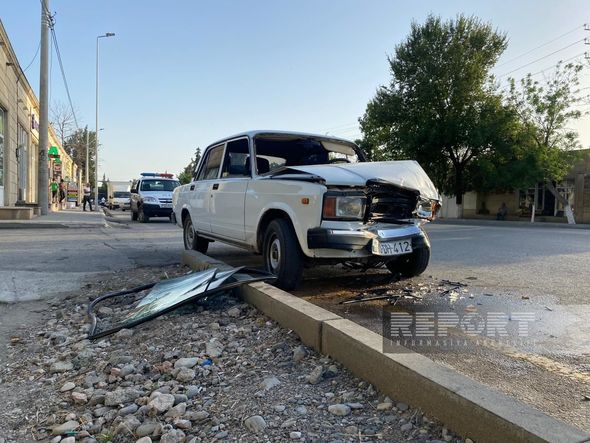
(411, 265)
(141, 216)
(133, 216)
(282, 254)
(191, 239)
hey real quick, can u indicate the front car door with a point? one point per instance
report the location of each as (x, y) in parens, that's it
(228, 194)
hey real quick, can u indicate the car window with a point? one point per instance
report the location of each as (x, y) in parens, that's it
(235, 162)
(210, 170)
(158, 185)
(298, 151)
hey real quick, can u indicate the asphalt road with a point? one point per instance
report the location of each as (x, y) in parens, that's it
(42, 263)
(505, 269)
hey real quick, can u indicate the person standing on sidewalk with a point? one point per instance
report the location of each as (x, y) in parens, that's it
(87, 193)
(62, 193)
(54, 187)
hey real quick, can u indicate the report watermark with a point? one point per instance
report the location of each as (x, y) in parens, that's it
(444, 330)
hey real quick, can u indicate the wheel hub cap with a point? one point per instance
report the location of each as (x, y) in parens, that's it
(275, 254)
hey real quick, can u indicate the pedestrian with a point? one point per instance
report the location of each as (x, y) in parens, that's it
(502, 212)
(62, 192)
(54, 187)
(87, 192)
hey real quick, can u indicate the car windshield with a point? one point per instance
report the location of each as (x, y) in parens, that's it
(119, 194)
(300, 151)
(159, 185)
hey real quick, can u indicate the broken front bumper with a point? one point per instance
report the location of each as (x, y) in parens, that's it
(326, 238)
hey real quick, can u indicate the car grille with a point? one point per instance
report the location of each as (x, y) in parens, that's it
(165, 200)
(390, 204)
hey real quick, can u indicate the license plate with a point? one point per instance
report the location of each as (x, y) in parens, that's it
(396, 247)
(166, 205)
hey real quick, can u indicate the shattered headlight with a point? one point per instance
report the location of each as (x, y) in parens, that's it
(427, 209)
(344, 207)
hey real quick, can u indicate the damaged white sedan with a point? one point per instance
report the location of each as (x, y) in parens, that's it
(307, 199)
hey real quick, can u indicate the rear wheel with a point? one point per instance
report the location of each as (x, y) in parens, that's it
(191, 239)
(411, 265)
(282, 255)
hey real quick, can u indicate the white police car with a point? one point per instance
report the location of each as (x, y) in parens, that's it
(151, 196)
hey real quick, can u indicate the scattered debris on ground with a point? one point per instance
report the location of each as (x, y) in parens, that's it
(220, 371)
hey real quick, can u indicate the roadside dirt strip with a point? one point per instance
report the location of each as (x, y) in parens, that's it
(467, 407)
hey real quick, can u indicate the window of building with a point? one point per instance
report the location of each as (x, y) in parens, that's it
(2, 138)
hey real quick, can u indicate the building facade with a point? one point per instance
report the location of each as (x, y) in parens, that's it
(521, 204)
(19, 135)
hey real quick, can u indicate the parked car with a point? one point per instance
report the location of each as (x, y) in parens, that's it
(119, 195)
(300, 199)
(120, 200)
(151, 196)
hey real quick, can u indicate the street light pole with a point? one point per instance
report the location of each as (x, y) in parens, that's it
(108, 34)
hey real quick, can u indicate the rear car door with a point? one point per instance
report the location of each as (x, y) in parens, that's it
(228, 194)
(200, 189)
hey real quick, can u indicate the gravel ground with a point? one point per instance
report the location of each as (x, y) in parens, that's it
(216, 371)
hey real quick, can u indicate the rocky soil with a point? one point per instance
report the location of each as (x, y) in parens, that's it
(219, 371)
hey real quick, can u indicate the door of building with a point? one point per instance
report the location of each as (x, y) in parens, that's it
(22, 156)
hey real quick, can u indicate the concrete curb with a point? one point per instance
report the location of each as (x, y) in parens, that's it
(508, 223)
(50, 225)
(465, 406)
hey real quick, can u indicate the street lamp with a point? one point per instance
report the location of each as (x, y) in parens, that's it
(108, 34)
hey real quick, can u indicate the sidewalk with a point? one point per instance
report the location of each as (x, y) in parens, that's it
(507, 223)
(66, 218)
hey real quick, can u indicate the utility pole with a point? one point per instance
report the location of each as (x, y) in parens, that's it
(43, 178)
(87, 176)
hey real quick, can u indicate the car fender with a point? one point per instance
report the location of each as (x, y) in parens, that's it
(289, 197)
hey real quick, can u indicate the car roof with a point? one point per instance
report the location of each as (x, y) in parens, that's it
(271, 132)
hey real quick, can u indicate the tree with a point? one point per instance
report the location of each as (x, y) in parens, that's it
(75, 144)
(187, 173)
(440, 107)
(62, 120)
(546, 111)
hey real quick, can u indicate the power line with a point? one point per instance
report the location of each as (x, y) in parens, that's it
(555, 66)
(541, 58)
(63, 74)
(577, 28)
(51, 22)
(34, 57)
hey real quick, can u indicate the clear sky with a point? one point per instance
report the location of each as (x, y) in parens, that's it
(183, 73)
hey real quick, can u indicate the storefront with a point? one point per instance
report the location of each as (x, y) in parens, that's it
(19, 136)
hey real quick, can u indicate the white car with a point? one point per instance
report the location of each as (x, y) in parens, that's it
(151, 196)
(307, 199)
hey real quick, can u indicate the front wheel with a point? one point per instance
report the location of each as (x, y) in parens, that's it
(191, 239)
(141, 216)
(282, 255)
(411, 265)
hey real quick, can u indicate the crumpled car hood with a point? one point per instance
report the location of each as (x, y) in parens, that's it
(406, 174)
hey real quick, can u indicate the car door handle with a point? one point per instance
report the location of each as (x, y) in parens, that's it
(215, 186)
(192, 188)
